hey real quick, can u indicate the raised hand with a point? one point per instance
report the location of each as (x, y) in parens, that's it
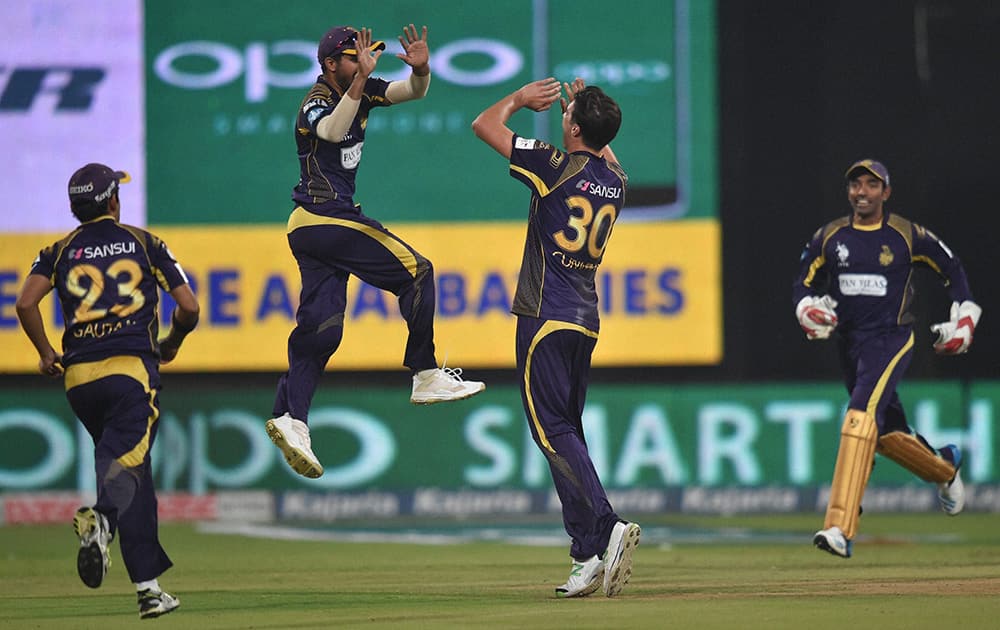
(415, 53)
(366, 59)
(539, 95)
(571, 90)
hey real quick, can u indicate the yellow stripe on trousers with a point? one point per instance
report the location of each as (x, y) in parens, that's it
(880, 385)
(133, 367)
(301, 217)
(547, 328)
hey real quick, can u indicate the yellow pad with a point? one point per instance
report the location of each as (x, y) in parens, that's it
(850, 476)
(910, 453)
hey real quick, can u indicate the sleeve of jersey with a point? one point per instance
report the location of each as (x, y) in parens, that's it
(535, 163)
(931, 251)
(169, 273)
(811, 277)
(45, 264)
(375, 92)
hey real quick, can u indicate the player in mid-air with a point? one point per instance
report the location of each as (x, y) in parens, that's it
(107, 276)
(856, 277)
(332, 239)
(576, 196)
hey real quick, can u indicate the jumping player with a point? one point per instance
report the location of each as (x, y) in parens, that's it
(576, 196)
(107, 275)
(856, 277)
(332, 239)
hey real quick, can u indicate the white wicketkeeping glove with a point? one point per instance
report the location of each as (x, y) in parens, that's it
(816, 316)
(955, 335)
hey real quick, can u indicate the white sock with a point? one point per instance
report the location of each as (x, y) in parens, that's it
(148, 584)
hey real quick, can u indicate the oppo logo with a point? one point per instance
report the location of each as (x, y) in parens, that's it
(252, 64)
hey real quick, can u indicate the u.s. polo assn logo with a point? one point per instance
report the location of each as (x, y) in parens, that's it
(842, 254)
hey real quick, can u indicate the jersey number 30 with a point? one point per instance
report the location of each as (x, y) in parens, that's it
(587, 228)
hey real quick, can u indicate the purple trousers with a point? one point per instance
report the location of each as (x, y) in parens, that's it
(116, 401)
(873, 364)
(553, 367)
(328, 250)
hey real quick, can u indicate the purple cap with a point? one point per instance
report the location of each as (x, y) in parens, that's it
(875, 168)
(94, 184)
(342, 40)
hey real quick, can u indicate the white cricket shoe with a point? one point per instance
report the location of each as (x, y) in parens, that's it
(93, 558)
(292, 437)
(585, 578)
(833, 541)
(618, 557)
(441, 385)
(152, 603)
(951, 494)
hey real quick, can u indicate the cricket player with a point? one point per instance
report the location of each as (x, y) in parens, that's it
(332, 239)
(856, 278)
(576, 196)
(107, 277)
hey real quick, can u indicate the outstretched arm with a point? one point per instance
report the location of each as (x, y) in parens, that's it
(490, 126)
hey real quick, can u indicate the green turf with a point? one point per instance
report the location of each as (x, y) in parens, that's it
(903, 575)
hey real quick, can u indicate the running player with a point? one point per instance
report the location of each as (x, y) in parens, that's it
(332, 239)
(576, 196)
(855, 277)
(106, 275)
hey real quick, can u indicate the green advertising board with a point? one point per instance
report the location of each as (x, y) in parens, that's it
(369, 438)
(224, 81)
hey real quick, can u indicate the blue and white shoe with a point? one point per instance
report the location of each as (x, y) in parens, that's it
(833, 541)
(951, 494)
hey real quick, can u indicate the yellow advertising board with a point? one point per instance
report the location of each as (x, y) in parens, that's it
(659, 285)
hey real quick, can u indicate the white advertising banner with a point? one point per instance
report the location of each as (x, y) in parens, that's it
(71, 92)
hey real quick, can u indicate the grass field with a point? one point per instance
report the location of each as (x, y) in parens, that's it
(909, 571)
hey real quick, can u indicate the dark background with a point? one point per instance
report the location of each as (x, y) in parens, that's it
(805, 90)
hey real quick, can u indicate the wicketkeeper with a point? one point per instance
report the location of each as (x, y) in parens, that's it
(855, 278)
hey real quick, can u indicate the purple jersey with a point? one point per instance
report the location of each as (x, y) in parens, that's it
(106, 275)
(575, 200)
(327, 170)
(868, 270)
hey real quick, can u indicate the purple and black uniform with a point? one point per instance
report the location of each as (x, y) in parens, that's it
(575, 200)
(107, 277)
(332, 239)
(868, 270)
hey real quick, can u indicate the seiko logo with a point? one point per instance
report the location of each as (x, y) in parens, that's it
(76, 190)
(608, 192)
(316, 102)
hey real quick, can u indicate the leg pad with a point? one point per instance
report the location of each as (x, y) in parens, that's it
(913, 454)
(858, 437)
